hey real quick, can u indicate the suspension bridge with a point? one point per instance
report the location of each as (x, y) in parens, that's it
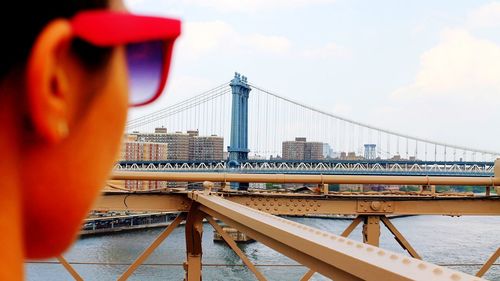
(258, 121)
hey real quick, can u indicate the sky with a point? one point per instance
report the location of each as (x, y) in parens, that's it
(425, 68)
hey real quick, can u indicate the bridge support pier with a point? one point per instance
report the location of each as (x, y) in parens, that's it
(194, 232)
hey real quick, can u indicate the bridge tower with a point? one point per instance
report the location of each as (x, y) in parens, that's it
(238, 149)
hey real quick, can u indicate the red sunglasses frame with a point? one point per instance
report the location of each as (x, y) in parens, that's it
(110, 28)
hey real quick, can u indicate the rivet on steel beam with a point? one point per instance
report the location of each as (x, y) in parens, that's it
(422, 266)
(455, 277)
(393, 257)
(406, 261)
(437, 271)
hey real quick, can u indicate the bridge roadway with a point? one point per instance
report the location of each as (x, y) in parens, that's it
(326, 167)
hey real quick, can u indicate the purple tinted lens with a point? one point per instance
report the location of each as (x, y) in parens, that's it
(145, 65)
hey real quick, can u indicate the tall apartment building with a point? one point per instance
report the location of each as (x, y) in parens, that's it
(178, 143)
(293, 150)
(192, 134)
(301, 149)
(313, 151)
(143, 151)
(207, 148)
(133, 150)
(178, 146)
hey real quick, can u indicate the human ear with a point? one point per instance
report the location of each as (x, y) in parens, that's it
(48, 82)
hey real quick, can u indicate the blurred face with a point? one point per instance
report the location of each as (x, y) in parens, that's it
(69, 156)
(74, 114)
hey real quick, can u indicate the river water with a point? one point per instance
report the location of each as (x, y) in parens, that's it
(438, 239)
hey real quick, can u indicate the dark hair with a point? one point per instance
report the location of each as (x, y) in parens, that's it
(21, 22)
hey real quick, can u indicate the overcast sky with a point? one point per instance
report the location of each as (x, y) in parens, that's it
(424, 68)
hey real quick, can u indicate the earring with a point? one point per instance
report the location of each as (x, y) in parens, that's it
(63, 129)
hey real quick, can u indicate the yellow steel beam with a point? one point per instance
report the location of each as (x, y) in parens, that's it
(194, 232)
(292, 204)
(313, 179)
(371, 230)
(497, 174)
(165, 202)
(352, 226)
(236, 249)
(345, 233)
(400, 238)
(281, 204)
(331, 255)
(69, 268)
(488, 263)
(149, 250)
(308, 275)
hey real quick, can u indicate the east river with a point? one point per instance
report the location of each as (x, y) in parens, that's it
(438, 239)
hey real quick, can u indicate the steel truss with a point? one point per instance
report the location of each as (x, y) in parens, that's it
(416, 168)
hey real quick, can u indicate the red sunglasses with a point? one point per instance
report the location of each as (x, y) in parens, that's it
(148, 43)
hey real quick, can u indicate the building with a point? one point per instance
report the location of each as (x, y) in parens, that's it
(327, 151)
(313, 151)
(143, 151)
(293, 150)
(192, 134)
(301, 149)
(133, 150)
(206, 148)
(178, 142)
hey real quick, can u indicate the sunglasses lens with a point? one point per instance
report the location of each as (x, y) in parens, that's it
(145, 66)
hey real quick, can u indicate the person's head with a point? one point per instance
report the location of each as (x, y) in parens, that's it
(66, 74)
